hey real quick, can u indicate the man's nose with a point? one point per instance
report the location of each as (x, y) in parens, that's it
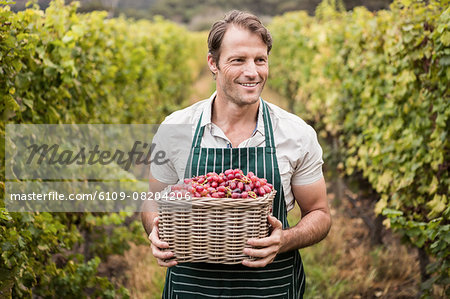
(250, 69)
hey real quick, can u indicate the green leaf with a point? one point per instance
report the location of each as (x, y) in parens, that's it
(445, 38)
(11, 104)
(391, 213)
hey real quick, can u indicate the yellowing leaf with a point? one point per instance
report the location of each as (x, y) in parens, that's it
(437, 205)
(384, 181)
(380, 205)
(445, 38)
(433, 186)
(387, 223)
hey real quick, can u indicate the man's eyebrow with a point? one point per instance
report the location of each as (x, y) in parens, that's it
(236, 56)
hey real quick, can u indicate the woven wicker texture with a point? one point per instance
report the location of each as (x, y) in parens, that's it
(213, 230)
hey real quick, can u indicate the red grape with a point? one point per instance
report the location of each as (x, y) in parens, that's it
(261, 191)
(235, 195)
(221, 189)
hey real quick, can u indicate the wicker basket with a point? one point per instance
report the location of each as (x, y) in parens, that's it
(213, 230)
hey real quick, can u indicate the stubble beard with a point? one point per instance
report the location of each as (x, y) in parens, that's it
(241, 100)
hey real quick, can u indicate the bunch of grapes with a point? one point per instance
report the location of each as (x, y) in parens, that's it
(232, 183)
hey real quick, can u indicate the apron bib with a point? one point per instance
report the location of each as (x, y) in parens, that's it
(284, 277)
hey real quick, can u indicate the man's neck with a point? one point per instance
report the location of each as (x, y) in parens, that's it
(237, 122)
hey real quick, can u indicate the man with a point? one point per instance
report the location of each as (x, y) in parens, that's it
(236, 129)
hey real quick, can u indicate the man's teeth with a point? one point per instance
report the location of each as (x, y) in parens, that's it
(249, 84)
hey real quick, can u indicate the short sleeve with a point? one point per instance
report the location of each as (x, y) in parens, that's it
(308, 168)
(162, 169)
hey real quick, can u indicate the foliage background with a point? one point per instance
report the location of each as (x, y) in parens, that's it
(377, 84)
(60, 67)
(192, 12)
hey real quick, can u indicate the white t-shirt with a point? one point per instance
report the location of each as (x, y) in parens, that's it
(298, 151)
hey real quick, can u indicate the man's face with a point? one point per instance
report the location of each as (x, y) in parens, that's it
(243, 66)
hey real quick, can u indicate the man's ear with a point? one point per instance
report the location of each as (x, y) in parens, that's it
(212, 64)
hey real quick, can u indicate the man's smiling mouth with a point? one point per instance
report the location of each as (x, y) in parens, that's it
(249, 84)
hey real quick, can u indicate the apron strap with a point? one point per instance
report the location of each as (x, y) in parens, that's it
(199, 130)
(268, 130)
(196, 141)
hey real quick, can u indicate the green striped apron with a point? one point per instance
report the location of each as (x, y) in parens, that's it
(284, 277)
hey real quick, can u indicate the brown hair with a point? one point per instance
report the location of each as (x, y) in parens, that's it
(241, 19)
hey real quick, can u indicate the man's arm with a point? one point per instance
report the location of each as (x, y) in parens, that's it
(312, 228)
(150, 222)
(149, 207)
(316, 219)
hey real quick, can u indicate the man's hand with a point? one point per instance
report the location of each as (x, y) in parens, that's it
(267, 248)
(157, 245)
